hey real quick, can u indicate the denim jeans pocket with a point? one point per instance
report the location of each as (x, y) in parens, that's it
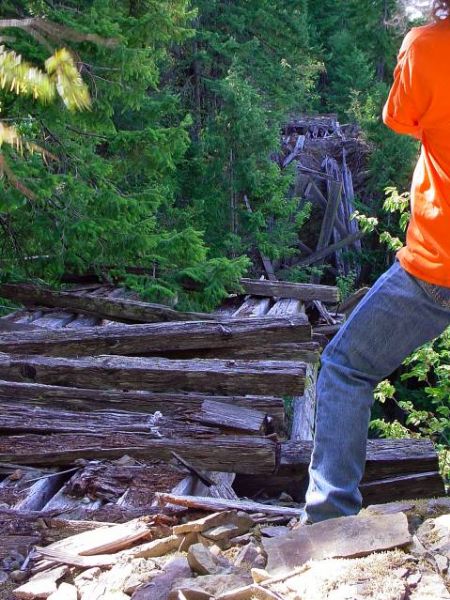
(438, 293)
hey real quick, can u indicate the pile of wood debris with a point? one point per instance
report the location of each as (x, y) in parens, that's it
(330, 161)
(388, 552)
(111, 407)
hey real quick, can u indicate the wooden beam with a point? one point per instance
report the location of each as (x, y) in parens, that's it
(236, 454)
(170, 404)
(213, 416)
(158, 374)
(117, 309)
(402, 487)
(159, 337)
(385, 457)
(321, 254)
(298, 291)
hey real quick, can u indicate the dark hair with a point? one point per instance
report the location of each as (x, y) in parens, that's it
(441, 9)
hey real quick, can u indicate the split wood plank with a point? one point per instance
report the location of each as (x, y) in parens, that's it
(252, 307)
(158, 337)
(236, 454)
(169, 404)
(159, 374)
(230, 417)
(298, 291)
(221, 504)
(117, 309)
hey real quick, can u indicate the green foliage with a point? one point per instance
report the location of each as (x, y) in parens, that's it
(109, 199)
(241, 80)
(422, 389)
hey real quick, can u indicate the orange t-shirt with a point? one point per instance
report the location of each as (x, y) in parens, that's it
(419, 105)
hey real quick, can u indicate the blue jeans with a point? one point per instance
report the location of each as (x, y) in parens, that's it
(399, 314)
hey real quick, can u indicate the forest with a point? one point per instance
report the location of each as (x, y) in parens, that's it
(140, 143)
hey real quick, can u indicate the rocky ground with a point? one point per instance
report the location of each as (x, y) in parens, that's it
(396, 551)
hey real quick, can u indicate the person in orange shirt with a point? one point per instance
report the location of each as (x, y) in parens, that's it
(409, 305)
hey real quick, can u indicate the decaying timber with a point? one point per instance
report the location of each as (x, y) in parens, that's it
(176, 405)
(238, 454)
(118, 309)
(158, 374)
(298, 291)
(158, 337)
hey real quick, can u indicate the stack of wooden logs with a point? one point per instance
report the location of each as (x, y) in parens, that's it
(92, 375)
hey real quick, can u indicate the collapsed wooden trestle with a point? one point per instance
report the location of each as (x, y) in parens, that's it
(209, 393)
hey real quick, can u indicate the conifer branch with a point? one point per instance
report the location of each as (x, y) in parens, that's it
(56, 31)
(6, 171)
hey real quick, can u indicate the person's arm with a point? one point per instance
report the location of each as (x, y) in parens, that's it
(410, 95)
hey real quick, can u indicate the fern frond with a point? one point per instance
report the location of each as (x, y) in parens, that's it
(69, 83)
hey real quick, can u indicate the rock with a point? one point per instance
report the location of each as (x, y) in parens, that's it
(200, 525)
(41, 585)
(434, 534)
(241, 540)
(430, 587)
(65, 591)
(18, 576)
(86, 578)
(272, 532)
(222, 532)
(190, 591)
(414, 579)
(259, 575)
(213, 585)
(344, 537)
(159, 588)
(371, 578)
(156, 548)
(390, 508)
(416, 548)
(249, 557)
(441, 563)
(188, 540)
(4, 577)
(202, 561)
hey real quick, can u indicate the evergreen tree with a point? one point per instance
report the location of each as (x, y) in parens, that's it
(247, 68)
(107, 201)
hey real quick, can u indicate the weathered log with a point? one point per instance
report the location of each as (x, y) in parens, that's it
(17, 418)
(117, 309)
(158, 374)
(401, 487)
(159, 337)
(171, 405)
(385, 457)
(298, 291)
(237, 454)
